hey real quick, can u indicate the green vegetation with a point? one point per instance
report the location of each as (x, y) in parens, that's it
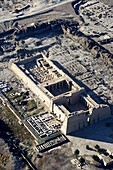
(96, 158)
(99, 150)
(17, 133)
(38, 110)
(16, 112)
(81, 161)
(20, 132)
(33, 131)
(1, 110)
(3, 159)
(17, 10)
(19, 100)
(87, 147)
(15, 96)
(29, 156)
(97, 147)
(52, 136)
(31, 105)
(11, 91)
(76, 152)
(41, 140)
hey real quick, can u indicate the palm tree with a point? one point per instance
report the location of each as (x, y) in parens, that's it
(81, 161)
(76, 153)
(97, 147)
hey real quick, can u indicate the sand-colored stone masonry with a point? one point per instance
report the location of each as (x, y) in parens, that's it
(69, 102)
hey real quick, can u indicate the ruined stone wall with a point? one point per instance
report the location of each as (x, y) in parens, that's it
(81, 120)
(76, 122)
(66, 77)
(71, 123)
(100, 113)
(30, 84)
(51, 64)
(30, 59)
(64, 126)
(73, 97)
(59, 112)
(89, 44)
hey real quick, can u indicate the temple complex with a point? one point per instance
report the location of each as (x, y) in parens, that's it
(61, 94)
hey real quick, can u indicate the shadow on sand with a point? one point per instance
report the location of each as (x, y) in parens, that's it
(97, 132)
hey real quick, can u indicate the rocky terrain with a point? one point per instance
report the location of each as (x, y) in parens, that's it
(14, 9)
